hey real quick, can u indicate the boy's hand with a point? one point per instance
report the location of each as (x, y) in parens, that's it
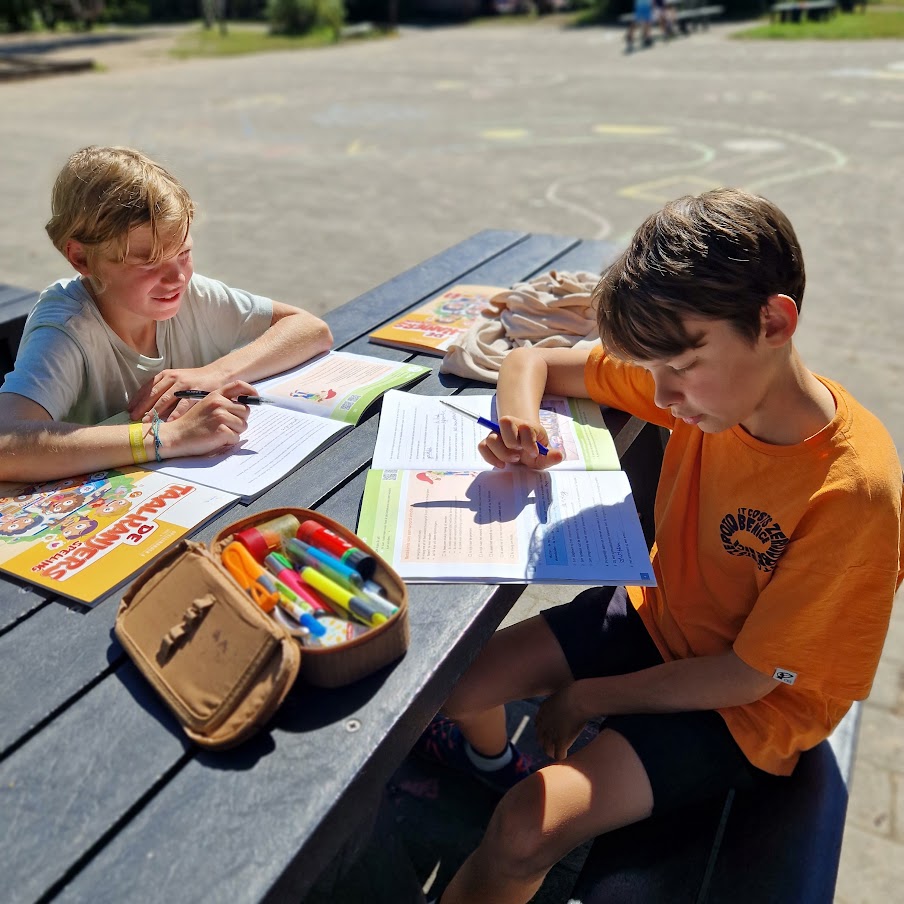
(559, 722)
(516, 443)
(214, 424)
(158, 391)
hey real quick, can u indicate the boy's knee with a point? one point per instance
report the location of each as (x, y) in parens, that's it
(522, 846)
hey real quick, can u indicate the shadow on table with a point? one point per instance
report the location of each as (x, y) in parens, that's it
(305, 709)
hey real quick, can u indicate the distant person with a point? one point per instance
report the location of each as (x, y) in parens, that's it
(778, 552)
(643, 14)
(664, 16)
(135, 325)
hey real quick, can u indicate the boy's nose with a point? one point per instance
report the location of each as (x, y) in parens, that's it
(174, 273)
(666, 393)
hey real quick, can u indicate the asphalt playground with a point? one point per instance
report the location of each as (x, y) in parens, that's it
(321, 174)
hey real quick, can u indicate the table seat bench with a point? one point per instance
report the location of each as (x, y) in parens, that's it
(15, 304)
(780, 842)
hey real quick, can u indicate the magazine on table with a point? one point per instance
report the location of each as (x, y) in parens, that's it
(435, 325)
(83, 537)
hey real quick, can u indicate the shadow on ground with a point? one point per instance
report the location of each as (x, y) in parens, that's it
(430, 819)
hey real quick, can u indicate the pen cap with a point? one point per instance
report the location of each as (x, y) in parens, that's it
(316, 534)
(268, 536)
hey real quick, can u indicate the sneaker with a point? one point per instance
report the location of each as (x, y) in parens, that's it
(442, 742)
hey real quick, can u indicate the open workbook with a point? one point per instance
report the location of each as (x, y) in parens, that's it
(438, 513)
(311, 406)
(84, 536)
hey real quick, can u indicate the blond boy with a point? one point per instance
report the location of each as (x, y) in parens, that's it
(133, 327)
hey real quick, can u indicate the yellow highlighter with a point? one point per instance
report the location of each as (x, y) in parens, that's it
(361, 608)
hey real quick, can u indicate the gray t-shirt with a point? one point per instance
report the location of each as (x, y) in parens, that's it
(76, 368)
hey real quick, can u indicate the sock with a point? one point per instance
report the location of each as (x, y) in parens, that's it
(489, 763)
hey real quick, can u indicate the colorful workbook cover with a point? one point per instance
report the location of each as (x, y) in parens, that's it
(84, 536)
(434, 326)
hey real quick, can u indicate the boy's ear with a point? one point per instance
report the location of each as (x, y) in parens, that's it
(77, 256)
(778, 320)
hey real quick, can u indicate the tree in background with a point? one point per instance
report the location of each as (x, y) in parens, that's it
(297, 17)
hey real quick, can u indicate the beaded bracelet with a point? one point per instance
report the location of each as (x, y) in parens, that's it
(136, 441)
(155, 429)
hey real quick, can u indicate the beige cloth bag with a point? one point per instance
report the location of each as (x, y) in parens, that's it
(550, 311)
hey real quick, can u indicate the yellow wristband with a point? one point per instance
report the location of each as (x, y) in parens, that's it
(136, 441)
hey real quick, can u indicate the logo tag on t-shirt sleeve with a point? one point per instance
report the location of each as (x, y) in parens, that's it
(784, 675)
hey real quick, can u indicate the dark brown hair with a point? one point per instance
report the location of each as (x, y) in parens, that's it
(719, 255)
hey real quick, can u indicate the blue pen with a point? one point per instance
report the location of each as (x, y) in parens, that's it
(486, 422)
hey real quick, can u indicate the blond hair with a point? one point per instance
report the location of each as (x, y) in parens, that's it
(102, 193)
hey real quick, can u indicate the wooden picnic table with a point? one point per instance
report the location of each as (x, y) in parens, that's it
(103, 799)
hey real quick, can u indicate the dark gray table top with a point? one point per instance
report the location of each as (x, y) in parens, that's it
(101, 796)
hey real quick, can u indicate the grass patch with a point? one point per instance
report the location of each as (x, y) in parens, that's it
(244, 38)
(874, 23)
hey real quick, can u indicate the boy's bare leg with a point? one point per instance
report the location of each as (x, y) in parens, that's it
(600, 788)
(524, 660)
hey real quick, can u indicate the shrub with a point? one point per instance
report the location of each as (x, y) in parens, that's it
(296, 17)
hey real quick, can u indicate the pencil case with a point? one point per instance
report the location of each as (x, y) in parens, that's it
(219, 661)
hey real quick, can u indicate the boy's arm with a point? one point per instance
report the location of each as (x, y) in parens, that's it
(525, 376)
(34, 447)
(293, 336)
(684, 685)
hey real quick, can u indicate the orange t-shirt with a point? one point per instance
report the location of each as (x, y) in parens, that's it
(788, 555)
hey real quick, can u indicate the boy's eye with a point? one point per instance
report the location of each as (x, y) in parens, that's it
(684, 368)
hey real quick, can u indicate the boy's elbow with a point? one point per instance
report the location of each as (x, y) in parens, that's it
(323, 336)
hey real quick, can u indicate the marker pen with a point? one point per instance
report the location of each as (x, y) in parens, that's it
(281, 568)
(292, 604)
(308, 554)
(356, 605)
(342, 574)
(316, 534)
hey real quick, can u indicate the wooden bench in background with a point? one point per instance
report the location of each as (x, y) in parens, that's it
(686, 15)
(800, 10)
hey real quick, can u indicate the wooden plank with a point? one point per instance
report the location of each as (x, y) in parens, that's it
(46, 661)
(365, 313)
(282, 802)
(58, 798)
(535, 252)
(19, 600)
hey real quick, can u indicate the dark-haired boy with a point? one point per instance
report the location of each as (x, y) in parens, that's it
(778, 553)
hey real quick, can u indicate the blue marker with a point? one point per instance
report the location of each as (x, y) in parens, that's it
(306, 554)
(291, 603)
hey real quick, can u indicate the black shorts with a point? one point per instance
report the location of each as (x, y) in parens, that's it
(688, 756)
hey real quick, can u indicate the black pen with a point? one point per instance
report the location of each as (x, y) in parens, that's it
(242, 399)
